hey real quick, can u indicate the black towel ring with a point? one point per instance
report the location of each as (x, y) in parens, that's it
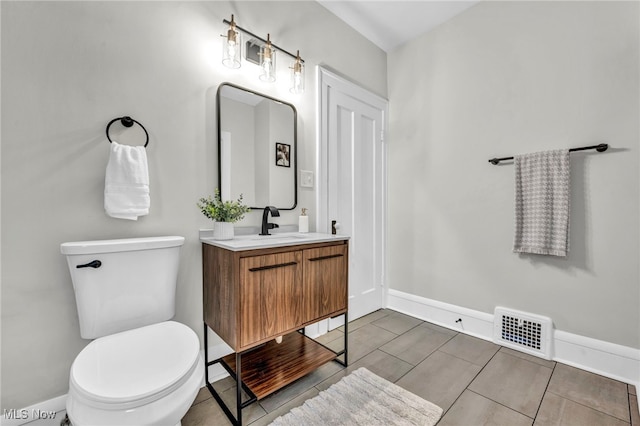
(127, 122)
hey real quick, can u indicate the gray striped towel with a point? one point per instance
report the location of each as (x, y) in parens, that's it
(542, 203)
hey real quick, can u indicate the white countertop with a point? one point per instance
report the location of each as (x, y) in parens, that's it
(283, 239)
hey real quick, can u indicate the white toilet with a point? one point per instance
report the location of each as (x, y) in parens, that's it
(141, 369)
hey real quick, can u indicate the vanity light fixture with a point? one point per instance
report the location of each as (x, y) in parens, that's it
(266, 58)
(297, 75)
(232, 46)
(268, 61)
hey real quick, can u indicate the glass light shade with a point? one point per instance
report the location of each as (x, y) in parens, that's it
(232, 49)
(267, 63)
(297, 76)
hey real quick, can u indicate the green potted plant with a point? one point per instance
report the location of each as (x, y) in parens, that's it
(223, 213)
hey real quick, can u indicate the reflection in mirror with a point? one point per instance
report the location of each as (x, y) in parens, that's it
(257, 144)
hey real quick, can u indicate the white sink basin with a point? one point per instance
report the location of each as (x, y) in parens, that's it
(253, 241)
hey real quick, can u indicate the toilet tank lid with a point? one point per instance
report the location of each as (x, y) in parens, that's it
(124, 244)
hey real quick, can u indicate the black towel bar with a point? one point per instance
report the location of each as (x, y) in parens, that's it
(127, 121)
(600, 148)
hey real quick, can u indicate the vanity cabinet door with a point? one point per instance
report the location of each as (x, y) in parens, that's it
(271, 295)
(325, 281)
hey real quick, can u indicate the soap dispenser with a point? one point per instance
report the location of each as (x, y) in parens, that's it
(303, 221)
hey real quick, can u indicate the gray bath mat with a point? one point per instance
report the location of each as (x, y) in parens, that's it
(362, 398)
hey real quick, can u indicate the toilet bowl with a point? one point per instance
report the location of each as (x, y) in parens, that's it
(145, 376)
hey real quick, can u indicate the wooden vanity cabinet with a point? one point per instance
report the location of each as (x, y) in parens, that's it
(253, 296)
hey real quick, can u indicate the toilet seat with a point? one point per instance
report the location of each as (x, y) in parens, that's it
(135, 367)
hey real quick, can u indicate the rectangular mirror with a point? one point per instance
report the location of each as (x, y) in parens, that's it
(257, 148)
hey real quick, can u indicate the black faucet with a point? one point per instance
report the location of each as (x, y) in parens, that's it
(265, 216)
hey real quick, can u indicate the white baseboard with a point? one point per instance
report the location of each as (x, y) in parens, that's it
(597, 356)
(45, 412)
(475, 323)
(607, 359)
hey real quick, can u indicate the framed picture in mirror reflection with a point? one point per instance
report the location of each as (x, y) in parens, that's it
(283, 154)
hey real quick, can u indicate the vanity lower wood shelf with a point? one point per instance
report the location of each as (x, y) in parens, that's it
(252, 296)
(275, 365)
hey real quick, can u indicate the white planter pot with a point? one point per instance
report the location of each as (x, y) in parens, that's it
(223, 231)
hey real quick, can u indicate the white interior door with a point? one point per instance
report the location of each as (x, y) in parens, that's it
(352, 185)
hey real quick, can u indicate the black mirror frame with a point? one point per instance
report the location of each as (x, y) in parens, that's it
(295, 141)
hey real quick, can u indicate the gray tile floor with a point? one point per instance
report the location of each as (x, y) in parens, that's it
(474, 381)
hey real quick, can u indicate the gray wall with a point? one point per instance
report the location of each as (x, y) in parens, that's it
(70, 67)
(500, 79)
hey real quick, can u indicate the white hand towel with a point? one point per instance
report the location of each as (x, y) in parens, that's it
(542, 203)
(126, 183)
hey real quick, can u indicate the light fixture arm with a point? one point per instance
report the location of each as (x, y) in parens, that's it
(273, 46)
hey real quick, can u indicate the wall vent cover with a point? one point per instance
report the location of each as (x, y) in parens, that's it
(522, 331)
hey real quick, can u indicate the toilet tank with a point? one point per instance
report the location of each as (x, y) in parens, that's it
(133, 284)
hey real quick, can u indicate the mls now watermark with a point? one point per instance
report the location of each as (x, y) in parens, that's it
(24, 414)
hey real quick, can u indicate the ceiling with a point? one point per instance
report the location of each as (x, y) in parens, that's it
(391, 23)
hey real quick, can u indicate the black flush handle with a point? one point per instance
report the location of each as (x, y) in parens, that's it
(93, 264)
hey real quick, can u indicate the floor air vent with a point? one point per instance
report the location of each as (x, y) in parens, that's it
(523, 332)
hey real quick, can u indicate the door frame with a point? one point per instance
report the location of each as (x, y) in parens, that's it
(326, 78)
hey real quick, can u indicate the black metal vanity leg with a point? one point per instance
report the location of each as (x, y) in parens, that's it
(238, 389)
(346, 339)
(206, 355)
